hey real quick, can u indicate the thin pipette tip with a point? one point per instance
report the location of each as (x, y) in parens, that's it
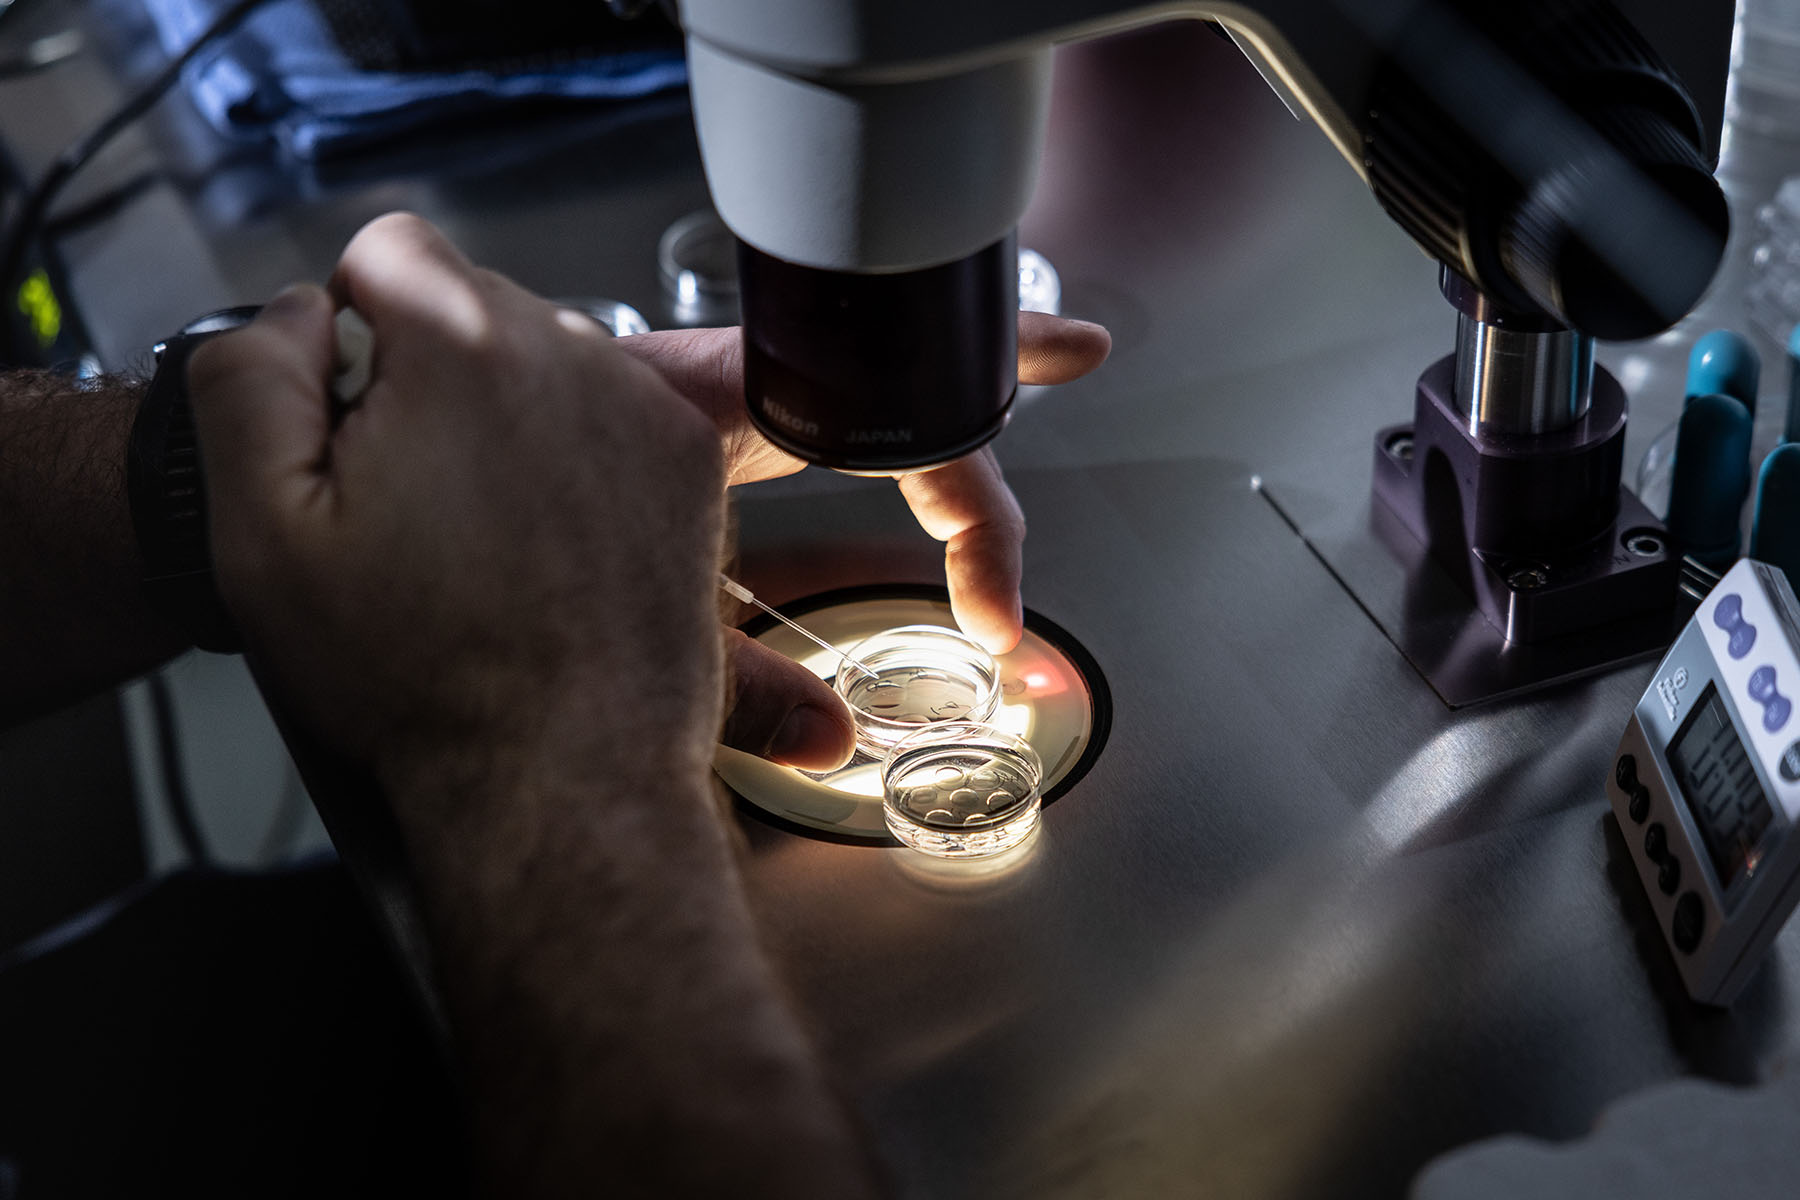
(739, 592)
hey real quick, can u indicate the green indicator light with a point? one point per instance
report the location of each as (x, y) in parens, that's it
(37, 300)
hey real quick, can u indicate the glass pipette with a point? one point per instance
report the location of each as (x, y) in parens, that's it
(739, 592)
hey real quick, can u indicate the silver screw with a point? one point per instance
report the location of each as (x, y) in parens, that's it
(1525, 578)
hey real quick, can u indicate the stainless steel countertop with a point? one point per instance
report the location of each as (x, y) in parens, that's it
(1302, 928)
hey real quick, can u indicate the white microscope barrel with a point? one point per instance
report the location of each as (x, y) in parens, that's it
(869, 177)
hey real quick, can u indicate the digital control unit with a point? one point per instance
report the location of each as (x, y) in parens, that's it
(1706, 783)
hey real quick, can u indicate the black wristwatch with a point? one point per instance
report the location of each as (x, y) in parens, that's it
(168, 493)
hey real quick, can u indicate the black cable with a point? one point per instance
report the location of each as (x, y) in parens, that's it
(31, 213)
(12, 176)
(174, 776)
(102, 207)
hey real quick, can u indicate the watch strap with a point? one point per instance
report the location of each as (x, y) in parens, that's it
(167, 493)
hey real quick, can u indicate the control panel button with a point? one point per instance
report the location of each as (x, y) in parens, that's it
(1668, 876)
(1625, 770)
(1688, 923)
(1763, 690)
(1790, 763)
(1656, 842)
(1729, 617)
(1637, 807)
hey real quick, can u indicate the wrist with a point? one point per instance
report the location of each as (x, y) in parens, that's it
(77, 621)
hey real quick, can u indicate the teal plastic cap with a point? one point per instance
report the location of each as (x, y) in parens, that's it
(1724, 363)
(1775, 528)
(1791, 430)
(1711, 478)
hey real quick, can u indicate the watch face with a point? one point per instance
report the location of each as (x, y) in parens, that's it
(220, 321)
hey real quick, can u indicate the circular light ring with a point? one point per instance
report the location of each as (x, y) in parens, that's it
(1070, 714)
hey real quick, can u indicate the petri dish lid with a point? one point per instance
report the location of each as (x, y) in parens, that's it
(697, 259)
(615, 316)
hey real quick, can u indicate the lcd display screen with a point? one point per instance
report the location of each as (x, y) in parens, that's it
(1718, 780)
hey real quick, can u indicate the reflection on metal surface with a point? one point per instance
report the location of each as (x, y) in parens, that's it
(1429, 619)
(1199, 1068)
(1457, 763)
(1052, 695)
(1217, 1075)
(1521, 381)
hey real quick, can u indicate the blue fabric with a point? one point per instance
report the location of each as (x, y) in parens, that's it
(282, 75)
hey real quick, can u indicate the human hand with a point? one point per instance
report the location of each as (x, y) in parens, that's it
(509, 544)
(779, 709)
(492, 582)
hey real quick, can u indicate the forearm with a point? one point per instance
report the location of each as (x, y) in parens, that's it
(622, 1031)
(73, 619)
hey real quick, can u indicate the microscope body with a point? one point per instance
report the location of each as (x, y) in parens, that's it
(874, 161)
(1510, 478)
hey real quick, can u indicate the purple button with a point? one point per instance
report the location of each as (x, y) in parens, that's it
(1728, 615)
(1776, 707)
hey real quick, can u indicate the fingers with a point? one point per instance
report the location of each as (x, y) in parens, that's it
(967, 505)
(707, 367)
(782, 711)
(402, 274)
(260, 405)
(1058, 349)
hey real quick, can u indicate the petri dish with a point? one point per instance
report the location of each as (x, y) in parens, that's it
(961, 789)
(921, 675)
(1040, 287)
(697, 260)
(615, 316)
(1052, 693)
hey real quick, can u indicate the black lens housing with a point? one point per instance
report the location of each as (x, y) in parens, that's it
(881, 371)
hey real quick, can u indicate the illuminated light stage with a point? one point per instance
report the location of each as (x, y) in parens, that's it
(1052, 694)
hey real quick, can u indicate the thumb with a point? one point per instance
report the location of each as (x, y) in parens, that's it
(261, 405)
(782, 711)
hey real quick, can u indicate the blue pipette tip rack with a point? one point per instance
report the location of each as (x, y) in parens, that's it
(1775, 527)
(1724, 363)
(1711, 477)
(1790, 431)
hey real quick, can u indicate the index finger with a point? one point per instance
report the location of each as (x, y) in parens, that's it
(1059, 349)
(260, 405)
(399, 269)
(966, 505)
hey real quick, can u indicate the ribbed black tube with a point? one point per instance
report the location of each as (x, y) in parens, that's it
(1559, 164)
